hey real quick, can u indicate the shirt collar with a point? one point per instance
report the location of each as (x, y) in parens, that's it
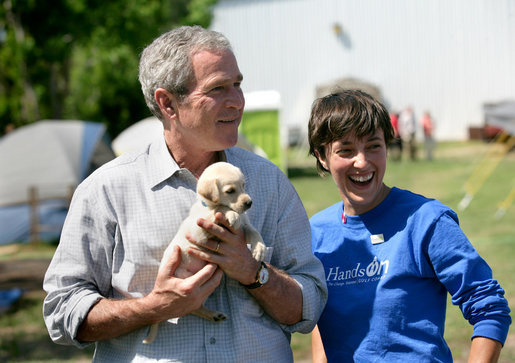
(162, 164)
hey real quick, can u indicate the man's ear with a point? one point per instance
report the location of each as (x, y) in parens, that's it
(166, 102)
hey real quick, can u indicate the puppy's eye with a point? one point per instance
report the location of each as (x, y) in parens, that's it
(229, 190)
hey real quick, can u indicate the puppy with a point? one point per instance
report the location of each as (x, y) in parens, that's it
(220, 188)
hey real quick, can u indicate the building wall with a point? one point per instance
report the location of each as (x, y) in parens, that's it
(448, 57)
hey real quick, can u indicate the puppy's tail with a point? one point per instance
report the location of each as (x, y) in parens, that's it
(152, 334)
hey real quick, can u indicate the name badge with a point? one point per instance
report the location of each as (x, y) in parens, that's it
(377, 239)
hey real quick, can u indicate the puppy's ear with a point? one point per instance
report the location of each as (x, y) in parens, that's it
(209, 190)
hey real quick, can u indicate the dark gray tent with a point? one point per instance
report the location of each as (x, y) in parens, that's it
(43, 162)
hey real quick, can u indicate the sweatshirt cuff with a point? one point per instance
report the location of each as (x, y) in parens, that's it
(492, 329)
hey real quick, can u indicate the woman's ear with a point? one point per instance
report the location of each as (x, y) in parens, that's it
(166, 102)
(321, 160)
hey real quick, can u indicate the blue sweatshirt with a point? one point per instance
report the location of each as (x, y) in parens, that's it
(388, 272)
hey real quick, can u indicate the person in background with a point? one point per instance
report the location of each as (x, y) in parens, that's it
(390, 255)
(101, 284)
(395, 145)
(408, 131)
(428, 126)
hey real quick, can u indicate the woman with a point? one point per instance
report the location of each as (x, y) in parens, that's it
(390, 256)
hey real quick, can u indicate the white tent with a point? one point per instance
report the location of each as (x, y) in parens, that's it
(48, 158)
(138, 135)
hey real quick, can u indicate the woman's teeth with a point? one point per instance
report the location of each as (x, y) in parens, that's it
(361, 178)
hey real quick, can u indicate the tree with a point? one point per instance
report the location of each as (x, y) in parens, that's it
(78, 59)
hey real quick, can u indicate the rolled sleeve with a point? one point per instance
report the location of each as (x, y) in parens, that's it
(64, 312)
(468, 278)
(75, 272)
(314, 297)
(493, 329)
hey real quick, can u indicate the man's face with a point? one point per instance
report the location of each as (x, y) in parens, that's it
(209, 116)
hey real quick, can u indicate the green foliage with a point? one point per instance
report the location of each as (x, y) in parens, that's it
(78, 59)
(199, 12)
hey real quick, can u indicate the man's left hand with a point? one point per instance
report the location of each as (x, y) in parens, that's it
(228, 250)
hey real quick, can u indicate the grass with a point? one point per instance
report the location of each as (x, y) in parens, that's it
(23, 336)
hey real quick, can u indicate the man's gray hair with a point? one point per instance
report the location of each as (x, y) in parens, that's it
(166, 62)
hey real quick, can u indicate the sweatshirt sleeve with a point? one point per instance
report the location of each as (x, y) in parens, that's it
(468, 278)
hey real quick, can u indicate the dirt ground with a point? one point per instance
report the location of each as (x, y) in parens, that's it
(24, 274)
(23, 336)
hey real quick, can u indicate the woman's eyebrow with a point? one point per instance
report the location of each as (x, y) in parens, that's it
(373, 138)
(343, 142)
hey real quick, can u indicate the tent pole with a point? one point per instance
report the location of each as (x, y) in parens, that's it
(34, 217)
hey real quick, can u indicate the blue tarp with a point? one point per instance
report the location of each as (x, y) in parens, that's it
(9, 297)
(14, 221)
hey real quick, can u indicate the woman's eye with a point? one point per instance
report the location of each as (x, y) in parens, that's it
(344, 151)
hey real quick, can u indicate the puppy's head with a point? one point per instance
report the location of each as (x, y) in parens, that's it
(223, 184)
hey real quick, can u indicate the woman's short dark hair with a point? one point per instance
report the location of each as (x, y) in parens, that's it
(339, 114)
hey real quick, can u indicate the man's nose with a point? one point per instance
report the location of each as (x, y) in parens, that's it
(235, 98)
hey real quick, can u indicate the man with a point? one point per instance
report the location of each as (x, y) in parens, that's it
(408, 130)
(102, 284)
(428, 127)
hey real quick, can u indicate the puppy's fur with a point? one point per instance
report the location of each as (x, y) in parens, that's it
(220, 188)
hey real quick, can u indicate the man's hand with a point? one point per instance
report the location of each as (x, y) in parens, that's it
(228, 250)
(171, 297)
(174, 297)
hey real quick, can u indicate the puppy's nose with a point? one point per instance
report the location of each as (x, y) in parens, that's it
(248, 204)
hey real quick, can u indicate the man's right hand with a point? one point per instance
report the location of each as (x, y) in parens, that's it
(174, 297)
(171, 297)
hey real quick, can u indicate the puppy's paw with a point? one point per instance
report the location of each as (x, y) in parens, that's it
(233, 218)
(259, 251)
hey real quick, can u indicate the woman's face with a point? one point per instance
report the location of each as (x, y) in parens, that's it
(358, 167)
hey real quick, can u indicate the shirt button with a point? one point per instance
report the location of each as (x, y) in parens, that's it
(212, 341)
